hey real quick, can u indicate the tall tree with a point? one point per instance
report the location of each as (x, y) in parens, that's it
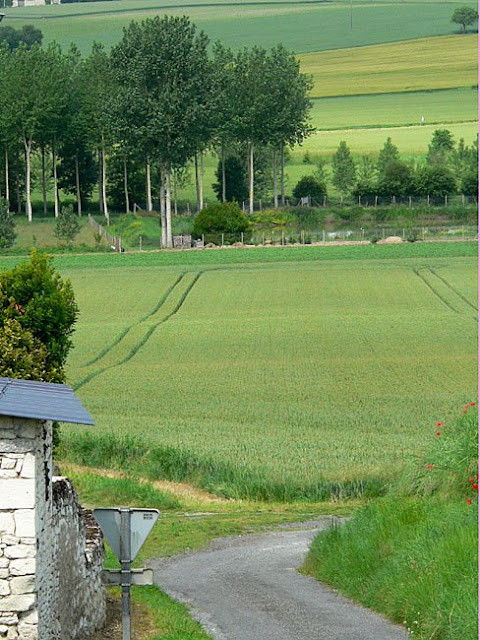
(465, 16)
(388, 153)
(343, 168)
(165, 63)
(440, 146)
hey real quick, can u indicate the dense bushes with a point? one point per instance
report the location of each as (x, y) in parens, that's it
(221, 218)
(309, 186)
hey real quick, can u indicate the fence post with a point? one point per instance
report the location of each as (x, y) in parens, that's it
(203, 240)
(403, 234)
(243, 207)
(242, 237)
(394, 200)
(409, 202)
(463, 233)
(428, 199)
(260, 205)
(376, 200)
(383, 233)
(139, 243)
(188, 207)
(323, 235)
(223, 239)
(446, 201)
(463, 200)
(423, 233)
(283, 238)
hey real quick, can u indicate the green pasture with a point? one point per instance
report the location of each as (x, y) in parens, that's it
(427, 63)
(300, 26)
(289, 375)
(395, 109)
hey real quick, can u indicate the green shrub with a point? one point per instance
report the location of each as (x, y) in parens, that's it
(310, 186)
(221, 218)
(7, 226)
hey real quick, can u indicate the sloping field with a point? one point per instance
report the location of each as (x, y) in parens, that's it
(300, 26)
(289, 376)
(428, 63)
(394, 109)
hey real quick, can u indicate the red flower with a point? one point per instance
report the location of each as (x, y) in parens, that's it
(471, 480)
(438, 433)
(475, 487)
(429, 466)
(440, 424)
(469, 501)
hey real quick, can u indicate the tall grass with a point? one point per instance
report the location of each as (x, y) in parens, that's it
(412, 555)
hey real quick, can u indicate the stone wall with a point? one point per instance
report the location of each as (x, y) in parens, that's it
(51, 551)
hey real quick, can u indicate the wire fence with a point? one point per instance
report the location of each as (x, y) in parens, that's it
(113, 241)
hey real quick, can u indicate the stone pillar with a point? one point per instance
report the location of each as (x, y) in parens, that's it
(25, 483)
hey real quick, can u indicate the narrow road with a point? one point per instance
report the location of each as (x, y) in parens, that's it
(248, 588)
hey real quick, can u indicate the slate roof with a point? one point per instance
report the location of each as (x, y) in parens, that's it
(42, 401)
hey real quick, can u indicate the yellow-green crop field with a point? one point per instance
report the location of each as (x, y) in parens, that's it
(413, 65)
(297, 375)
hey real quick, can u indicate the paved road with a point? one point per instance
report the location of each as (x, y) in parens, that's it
(247, 588)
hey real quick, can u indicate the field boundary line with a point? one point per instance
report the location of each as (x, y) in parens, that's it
(434, 291)
(452, 288)
(122, 335)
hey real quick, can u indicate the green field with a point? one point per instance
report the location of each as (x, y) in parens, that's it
(300, 26)
(395, 109)
(287, 374)
(428, 63)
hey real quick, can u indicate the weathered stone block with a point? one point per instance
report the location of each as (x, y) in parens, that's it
(28, 469)
(4, 573)
(22, 567)
(31, 617)
(22, 584)
(12, 634)
(4, 562)
(8, 473)
(28, 429)
(8, 463)
(17, 493)
(25, 523)
(18, 445)
(8, 618)
(20, 551)
(7, 523)
(8, 434)
(27, 631)
(17, 603)
(4, 588)
(9, 540)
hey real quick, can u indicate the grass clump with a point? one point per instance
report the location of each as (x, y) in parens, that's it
(412, 554)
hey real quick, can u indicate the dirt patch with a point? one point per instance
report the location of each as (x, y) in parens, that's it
(180, 490)
(142, 625)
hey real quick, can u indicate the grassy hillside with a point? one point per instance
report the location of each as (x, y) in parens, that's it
(428, 63)
(280, 382)
(300, 26)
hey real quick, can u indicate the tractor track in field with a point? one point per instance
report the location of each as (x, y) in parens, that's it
(455, 291)
(93, 374)
(434, 291)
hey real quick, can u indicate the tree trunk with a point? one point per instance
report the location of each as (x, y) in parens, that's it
(197, 183)
(168, 207)
(224, 177)
(275, 185)
(17, 181)
(125, 186)
(175, 200)
(7, 186)
(250, 177)
(55, 177)
(44, 180)
(201, 181)
(77, 186)
(28, 199)
(282, 174)
(149, 186)
(104, 183)
(163, 221)
(100, 181)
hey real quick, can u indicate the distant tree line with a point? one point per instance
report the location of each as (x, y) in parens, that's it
(131, 120)
(448, 169)
(28, 35)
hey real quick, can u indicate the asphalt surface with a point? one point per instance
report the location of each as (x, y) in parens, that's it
(248, 588)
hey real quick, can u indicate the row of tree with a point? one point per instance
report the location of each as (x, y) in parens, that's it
(159, 100)
(448, 169)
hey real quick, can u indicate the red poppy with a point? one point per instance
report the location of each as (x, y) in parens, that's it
(438, 433)
(429, 466)
(475, 487)
(471, 479)
(469, 501)
(440, 424)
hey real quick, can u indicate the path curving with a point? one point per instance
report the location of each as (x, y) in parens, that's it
(248, 588)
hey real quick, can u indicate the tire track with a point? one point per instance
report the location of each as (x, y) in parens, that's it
(122, 335)
(434, 291)
(452, 288)
(147, 334)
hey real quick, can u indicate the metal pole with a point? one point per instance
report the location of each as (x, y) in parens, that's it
(126, 574)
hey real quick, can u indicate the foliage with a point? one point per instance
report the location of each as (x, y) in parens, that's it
(7, 226)
(221, 218)
(388, 154)
(396, 180)
(34, 295)
(310, 186)
(366, 182)
(469, 184)
(465, 16)
(440, 146)
(21, 354)
(435, 180)
(235, 180)
(343, 168)
(67, 226)
(28, 34)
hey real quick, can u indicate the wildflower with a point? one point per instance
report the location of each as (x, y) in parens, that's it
(469, 501)
(475, 487)
(438, 433)
(429, 466)
(440, 424)
(464, 411)
(471, 480)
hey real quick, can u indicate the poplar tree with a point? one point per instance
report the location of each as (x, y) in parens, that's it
(343, 168)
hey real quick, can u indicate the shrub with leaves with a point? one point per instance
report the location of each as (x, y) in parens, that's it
(7, 226)
(310, 186)
(67, 226)
(221, 218)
